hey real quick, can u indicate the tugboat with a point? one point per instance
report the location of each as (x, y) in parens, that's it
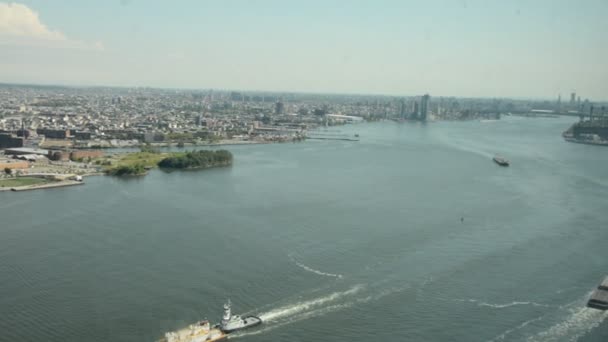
(599, 297)
(202, 331)
(501, 161)
(232, 323)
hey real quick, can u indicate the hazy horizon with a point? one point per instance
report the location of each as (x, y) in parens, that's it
(278, 92)
(459, 48)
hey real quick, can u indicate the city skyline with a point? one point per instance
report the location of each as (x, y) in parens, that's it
(462, 49)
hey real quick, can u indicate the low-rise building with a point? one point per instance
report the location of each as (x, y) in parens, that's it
(78, 155)
(8, 140)
(25, 150)
(54, 133)
(13, 164)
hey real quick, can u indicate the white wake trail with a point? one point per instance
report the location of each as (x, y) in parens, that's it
(314, 308)
(293, 309)
(297, 318)
(577, 324)
(501, 306)
(310, 269)
(509, 331)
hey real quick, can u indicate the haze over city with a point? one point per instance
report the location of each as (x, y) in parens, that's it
(449, 48)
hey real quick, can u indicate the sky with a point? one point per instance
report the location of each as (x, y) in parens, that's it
(492, 48)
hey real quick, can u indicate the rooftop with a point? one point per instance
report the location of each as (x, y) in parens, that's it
(25, 150)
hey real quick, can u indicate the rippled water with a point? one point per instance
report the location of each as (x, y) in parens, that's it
(325, 240)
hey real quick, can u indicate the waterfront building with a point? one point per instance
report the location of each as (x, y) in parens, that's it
(424, 107)
(7, 140)
(54, 133)
(572, 99)
(402, 109)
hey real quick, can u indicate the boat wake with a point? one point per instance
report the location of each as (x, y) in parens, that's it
(299, 311)
(501, 306)
(305, 315)
(466, 146)
(502, 336)
(293, 309)
(578, 323)
(312, 270)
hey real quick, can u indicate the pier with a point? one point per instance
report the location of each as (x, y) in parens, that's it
(332, 138)
(331, 135)
(59, 184)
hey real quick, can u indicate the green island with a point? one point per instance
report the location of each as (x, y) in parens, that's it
(138, 163)
(202, 159)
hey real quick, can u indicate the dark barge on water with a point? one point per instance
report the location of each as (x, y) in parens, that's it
(501, 161)
(599, 297)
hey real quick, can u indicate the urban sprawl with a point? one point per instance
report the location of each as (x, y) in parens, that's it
(75, 123)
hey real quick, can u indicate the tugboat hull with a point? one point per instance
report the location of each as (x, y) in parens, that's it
(243, 323)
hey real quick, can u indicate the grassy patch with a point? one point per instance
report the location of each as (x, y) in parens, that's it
(145, 159)
(21, 181)
(129, 162)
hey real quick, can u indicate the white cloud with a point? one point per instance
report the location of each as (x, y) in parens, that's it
(20, 25)
(20, 20)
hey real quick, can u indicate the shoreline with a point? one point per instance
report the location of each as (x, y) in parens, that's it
(173, 144)
(196, 168)
(586, 142)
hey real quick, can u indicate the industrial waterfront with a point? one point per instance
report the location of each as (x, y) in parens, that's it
(412, 233)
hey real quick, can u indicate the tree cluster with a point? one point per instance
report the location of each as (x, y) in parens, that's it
(197, 159)
(128, 170)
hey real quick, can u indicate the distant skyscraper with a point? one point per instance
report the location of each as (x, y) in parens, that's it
(415, 113)
(572, 99)
(279, 107)
(402, 109)
(424, 107)
(235, 96)
(558, 105)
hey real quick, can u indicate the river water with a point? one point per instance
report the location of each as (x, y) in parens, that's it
(326, 241)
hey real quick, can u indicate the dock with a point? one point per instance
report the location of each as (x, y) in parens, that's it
(59, 184)
(328, 138)
(599, 297)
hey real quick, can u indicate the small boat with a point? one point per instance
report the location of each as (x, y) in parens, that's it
(599, 297)
(232, 323)
(356, 135)
(501, 161)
